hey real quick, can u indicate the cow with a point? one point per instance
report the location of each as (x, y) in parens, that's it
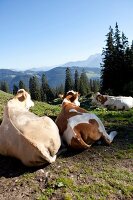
(113, 102)
(32, 139)
(78, 128)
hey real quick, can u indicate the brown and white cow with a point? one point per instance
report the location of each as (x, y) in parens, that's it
(32, 139)
(113, 102)
(78, 128)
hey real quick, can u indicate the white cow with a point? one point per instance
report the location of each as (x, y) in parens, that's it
(113, 102)
(32, 139)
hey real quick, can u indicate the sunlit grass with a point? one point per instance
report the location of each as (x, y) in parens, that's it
(102, 172)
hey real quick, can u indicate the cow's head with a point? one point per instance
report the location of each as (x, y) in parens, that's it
(98, 99)
(71, 97)
(24, 98)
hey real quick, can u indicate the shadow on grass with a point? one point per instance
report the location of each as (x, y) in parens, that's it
(12, 167)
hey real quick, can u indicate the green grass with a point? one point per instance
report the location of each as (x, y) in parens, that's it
(42, 108)
(101, 172)
(4, 97)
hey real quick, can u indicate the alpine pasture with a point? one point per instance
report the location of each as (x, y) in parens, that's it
(101, 172)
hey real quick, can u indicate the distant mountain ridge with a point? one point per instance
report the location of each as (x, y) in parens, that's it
(92, 61)
(56, 75)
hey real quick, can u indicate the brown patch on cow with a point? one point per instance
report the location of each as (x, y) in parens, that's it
(78, 144)
(62, 119)
(102, 99)
(21, 98)
(88, 132)
(21, 95)
(71, 96)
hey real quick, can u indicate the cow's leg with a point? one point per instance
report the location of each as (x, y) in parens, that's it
(50, 159)
(47, 155)
(109, 137)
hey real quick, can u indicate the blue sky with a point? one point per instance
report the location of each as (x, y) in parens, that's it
(37, 33)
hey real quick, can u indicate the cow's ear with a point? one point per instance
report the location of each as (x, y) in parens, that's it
(61, 96)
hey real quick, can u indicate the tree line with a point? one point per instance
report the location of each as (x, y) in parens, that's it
(117, 64)
(41, 91)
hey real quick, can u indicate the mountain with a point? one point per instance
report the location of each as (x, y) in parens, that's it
(13, 77)
(55, 76)
(92, 61)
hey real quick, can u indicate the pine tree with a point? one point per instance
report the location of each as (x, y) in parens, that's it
(119, 62)
(34, 88)
(76, 82)
(15, 89)
(117, 39)
(22, 85)
(47, 94)
(4, 87)
(59, 90)
(128, 83)
(44, 88)
(84, 87)
(50, 94)
(68, 81)
(107, 70)
(125, 44)
(114, 64)
(94, 85)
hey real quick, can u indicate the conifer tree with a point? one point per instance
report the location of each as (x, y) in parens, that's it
(94, 85)
(76, 81)
(107, 70)
(4, 87)
(34, 88)
(15, 89)
(128, 83)
(117, 65)
(84, 87)
(59, 90)
(68, 81)
(44, 88)
(47, 94)
(22, 85)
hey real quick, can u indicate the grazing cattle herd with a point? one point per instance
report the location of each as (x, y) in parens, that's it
(37, 140)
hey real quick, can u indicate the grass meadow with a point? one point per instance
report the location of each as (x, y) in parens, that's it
(101, 172)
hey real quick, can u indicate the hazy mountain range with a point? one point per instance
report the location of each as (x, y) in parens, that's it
(56, 75)
(92, 61)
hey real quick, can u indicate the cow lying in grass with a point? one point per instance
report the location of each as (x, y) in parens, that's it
(78, 128)
(112, 102)
(32, 139)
